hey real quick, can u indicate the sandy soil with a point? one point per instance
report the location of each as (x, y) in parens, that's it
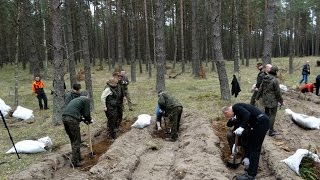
(199, 152)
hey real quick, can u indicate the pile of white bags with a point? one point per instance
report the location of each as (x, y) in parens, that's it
(283, 88)
(304, 120)
(23, 113)
(32, 146)
(294, 160)
(4, 108)
(142, 121)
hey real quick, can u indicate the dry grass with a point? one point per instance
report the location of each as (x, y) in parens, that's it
(202, 95)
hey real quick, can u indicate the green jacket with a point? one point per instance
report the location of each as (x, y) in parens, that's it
(69, 96)
(167, 103)
(116, 96)
(270, 92)
(78, 108)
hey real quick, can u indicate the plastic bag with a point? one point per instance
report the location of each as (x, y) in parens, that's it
(28, 147)
(142, 121)
(4, 108)
(283, 87)
(304, 120)
(294, 160)
(47, 142)
(23, 113)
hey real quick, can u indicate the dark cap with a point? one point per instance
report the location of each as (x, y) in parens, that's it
(259, 64)
(84, 93)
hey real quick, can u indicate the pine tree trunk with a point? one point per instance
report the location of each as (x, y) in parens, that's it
(291, 40)
(195, 40)
(132, 42)
(160, 45)
(216, 41)
(182, 37)
(58, 74)
(110, 35)
(236, 66)
(268, 32)
(119, 32)
(147, 56)
(317, 43)
(248, 30)
(85, 51)
(16, 62)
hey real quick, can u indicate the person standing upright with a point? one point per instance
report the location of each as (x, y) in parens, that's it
(124, 81)
(172, 109)
(270, 93)
(260, 77)
(74, 93)
(317, 84)
(38, 90)
(305, 72)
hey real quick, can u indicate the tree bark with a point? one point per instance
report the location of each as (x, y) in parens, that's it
(160, 45)
(268, 32)
(291, 40)
(147, 56)
(119, 32)
(236, 66)
(182, 37)
(58, 74)
(16, 63)
(216, 41)
(195, 40)
(132, 42)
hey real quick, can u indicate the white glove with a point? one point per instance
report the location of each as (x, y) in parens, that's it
(246, 162)
(234, 149)
(239, 131)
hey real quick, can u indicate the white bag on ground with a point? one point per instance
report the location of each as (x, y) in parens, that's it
(294, 160)
(304, 120)
(283, 87)
(28, 147)
(4, 108)
(47, 142)
(142, 121)
(23, 113)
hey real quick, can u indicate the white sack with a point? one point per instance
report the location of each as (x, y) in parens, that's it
(294, 160)
(283, 87)
(28, 147)
(23, 113)
(304, 120)
(4, 108)
(46, 141)
(142, 121)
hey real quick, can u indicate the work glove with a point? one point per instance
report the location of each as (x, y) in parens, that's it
(246, 162)
(234, 149)
(239, 131)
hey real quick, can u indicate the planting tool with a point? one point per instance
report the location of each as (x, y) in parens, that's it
(90, 155)
(234, 162)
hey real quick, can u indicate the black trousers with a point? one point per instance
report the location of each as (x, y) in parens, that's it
(255, 140)
(114, 115)
(317, 86)
(175, 117)
(72, 128)
(42, 96)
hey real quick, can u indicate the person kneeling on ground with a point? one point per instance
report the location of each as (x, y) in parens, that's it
(253, 119)
(76, 111)
(242, 140)
(172, 109)
(307, 88)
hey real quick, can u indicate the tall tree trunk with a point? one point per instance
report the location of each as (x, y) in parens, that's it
(147, 56)
(216, 41)
(120, 35)
(268, 32)
(132, 42)
(182, 37)
(58, 73)
(110, 35)
(248, 32)
(160, 45)
(291, 40)
(195, 40)
(16, 63)
(236, 66)
(139, 47)
(317, 43)
(85, 51)
(70, 46)
(175, 34)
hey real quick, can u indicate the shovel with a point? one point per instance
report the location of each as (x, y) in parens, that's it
(90, 155)
(234, 162)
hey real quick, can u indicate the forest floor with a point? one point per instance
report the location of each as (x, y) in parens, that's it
(200, 152)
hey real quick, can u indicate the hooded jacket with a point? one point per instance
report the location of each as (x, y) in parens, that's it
(270, 92)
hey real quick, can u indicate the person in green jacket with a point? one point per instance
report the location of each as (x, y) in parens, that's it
(171, 108)
(74, 93)
(76, 111)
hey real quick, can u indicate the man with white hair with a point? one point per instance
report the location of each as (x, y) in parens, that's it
(257, 122)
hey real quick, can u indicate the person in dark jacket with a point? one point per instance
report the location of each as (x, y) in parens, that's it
(305, 72)
(235, 86)
(74, 93)
(38, 90)
(271, 96)
(242, 140)
(317, 84)
(257, 122)
(124, 81)
(260, 77)
(76, 111)
(172, 109)
(112, 96)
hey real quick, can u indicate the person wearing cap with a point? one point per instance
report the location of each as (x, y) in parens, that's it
(74, 93)
(260, 76)
(124, 81)
(252, 119)
(305, 72)
(77, 110)
(172, 109)
(271, 96)
(112, 102)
